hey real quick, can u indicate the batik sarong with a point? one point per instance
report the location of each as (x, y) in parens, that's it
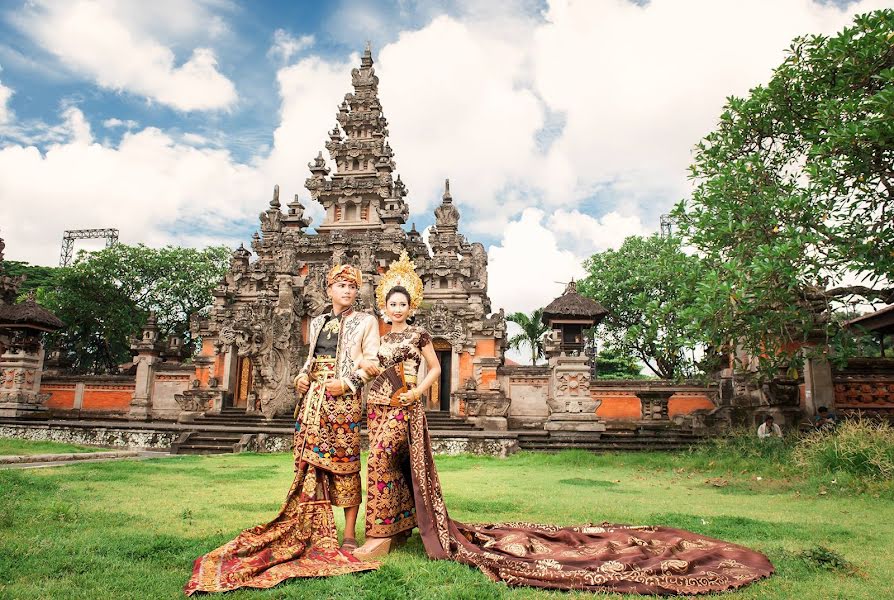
(327, 435)
(389, 500)
(302, 540)
(607, 557)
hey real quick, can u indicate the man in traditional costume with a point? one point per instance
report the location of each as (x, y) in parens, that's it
(301, 541)
(327, 432)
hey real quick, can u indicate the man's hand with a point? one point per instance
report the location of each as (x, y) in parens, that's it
(335, 387)
(302, 384)
(370, 368)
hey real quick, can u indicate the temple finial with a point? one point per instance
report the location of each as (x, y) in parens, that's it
(447, 197)
(366, 61)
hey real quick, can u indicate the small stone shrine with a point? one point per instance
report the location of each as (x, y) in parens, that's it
(22, 325)
(254, 337)
(571, 406)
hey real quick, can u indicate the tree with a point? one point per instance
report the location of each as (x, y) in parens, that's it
(36, 276)
(532, 330)
(792, 208)
(645, 285)
(612, 363)
(105, 297)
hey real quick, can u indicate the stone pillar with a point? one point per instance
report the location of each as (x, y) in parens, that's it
(486, 404)
(572, 408)
(21, 366)
(148, 351)
(818, 387)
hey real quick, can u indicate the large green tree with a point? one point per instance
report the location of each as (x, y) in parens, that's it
(645, 285)
(793, 205)
(105, 297)
(532, 330)
(612, 363)
(36, 276)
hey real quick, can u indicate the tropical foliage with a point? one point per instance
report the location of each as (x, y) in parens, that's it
(793, 206)
(646, 286)
(105, 297)
(532, 331)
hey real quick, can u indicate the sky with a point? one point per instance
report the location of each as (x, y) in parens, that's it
(563, 126)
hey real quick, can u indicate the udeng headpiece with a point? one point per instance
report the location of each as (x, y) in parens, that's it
(402, 272)
(345, 273)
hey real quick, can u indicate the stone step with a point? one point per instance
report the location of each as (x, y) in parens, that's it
(191, 448)
(206, 437)
(196, 450)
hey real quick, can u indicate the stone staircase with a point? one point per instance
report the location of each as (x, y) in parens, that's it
(617, 438)
(209, 442)
(232, 429)
(440, 420)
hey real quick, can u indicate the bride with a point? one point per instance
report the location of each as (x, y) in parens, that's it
(404, 491)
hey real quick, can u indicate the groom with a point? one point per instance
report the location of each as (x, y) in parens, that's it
(328, 428)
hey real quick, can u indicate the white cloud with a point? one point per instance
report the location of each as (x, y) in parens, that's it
(285, 45)
(587, 234)
(455, 110)
(152, 188)
(6, 114)
(114, 45)
(115, 122)
(632, 89)
(527, 270)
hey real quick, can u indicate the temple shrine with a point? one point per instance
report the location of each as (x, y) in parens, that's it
(254, 338)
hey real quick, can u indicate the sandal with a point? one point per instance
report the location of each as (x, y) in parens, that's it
(348, 544)
(370, 552)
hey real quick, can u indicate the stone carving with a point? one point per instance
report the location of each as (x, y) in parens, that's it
(261, 305)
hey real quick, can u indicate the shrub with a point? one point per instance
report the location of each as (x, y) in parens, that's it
(860, 447)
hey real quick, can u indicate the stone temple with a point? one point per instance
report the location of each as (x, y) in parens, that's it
(254, 336)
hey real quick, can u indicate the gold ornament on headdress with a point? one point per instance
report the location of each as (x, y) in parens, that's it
(402, 272)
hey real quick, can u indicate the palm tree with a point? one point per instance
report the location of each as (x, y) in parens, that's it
(532, 332)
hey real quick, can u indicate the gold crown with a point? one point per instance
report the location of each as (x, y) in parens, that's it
(402, 272)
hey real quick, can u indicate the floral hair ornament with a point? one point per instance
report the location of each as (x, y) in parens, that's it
(402, 272)
(344, 273)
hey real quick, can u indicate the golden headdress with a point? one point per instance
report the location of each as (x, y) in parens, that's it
(346, 273)
(402, 272)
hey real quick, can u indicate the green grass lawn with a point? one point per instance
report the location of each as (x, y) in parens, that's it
(131, 529)
(16, 447)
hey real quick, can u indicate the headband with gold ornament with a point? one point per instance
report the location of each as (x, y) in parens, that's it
(402, 272)
(346, 273)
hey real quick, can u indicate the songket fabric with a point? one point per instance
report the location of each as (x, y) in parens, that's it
(607, 557)
(389, 500)
(327, 434)
(302, 540)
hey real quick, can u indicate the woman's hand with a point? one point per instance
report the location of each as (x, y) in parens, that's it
(302, 384)
(335, 387)
(409, 396)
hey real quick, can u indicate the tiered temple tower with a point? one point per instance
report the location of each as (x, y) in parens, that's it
(254, 336)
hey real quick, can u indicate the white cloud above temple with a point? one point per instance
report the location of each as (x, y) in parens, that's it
(5, 111)
(116, 46)
(562, 131)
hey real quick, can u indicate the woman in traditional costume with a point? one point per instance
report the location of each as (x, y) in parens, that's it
(403, 490)
(390, 511)
(302, 540)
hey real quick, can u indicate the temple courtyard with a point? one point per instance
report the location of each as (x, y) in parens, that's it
(131, 528)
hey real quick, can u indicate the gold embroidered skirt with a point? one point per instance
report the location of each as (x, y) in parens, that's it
(389, 497)
(327, 435)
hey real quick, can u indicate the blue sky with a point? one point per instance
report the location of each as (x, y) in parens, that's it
(563, 126)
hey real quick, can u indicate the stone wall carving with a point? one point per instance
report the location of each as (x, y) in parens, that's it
(264, 301)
